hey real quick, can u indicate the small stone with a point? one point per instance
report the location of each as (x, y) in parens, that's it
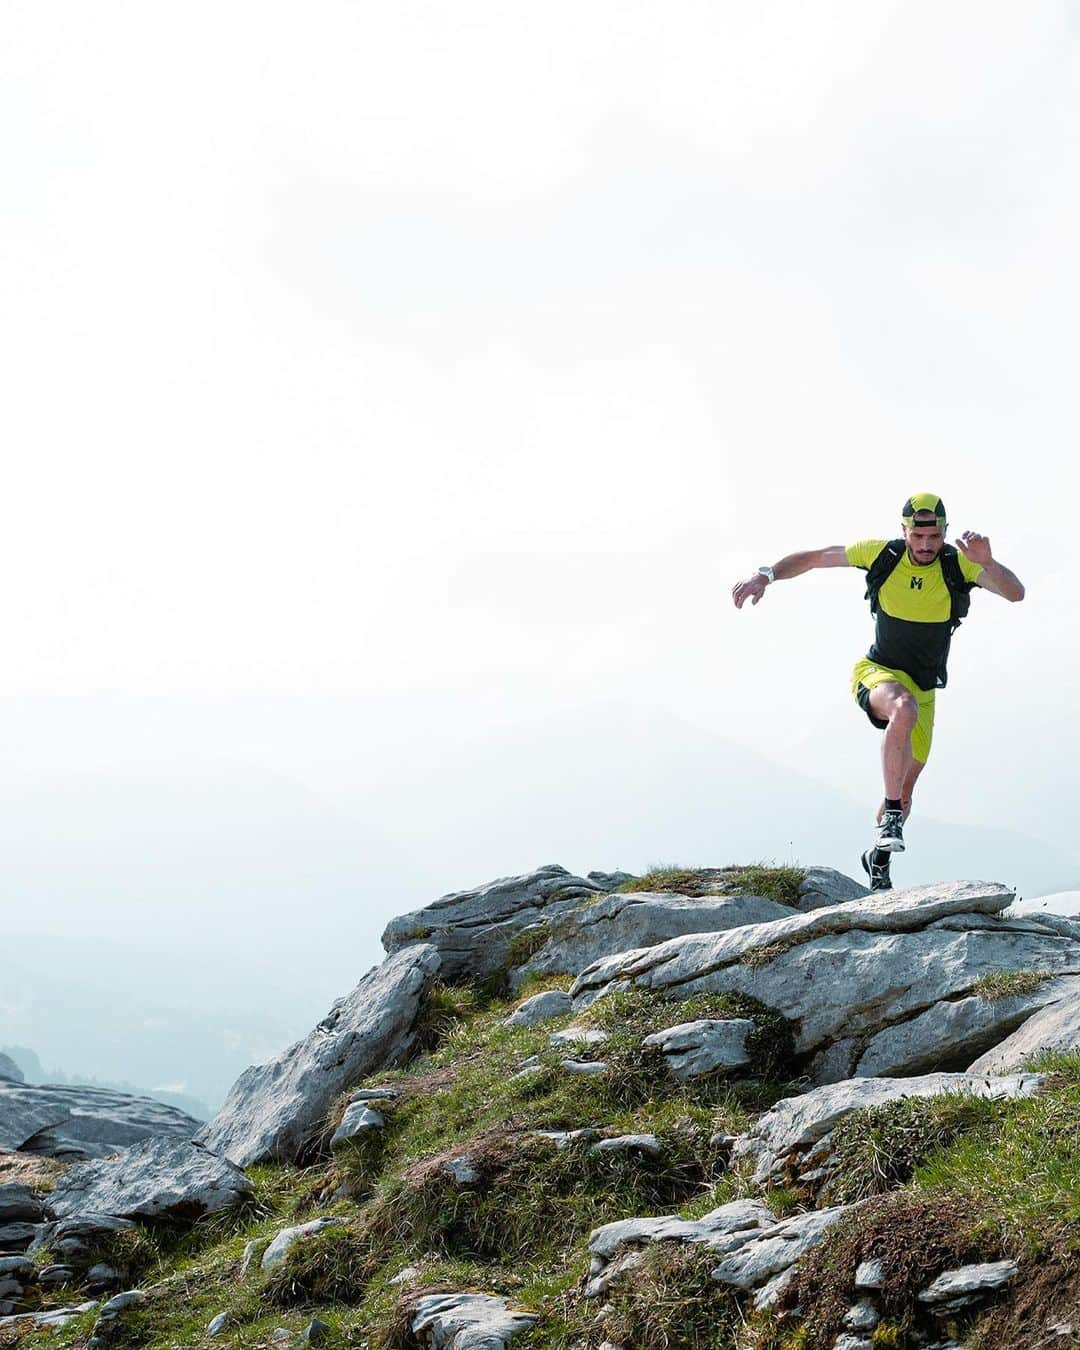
(315, 1332)
(583, 1068)
(955, 1288)
(847, 1342)
(52, 1276)
(565, 1138)
(869, 1275)
(18, 1267)
(578, 1036)
(101, 1277)
(275, 1253)
(10, 1287)
(461, 1170)
(249, 1255)
(862, 1316)
(543, 1007)
(16, 1237)
(359, 1119)
(218, 1324)
(281, 1334)
(130, 1298)
(406, 1274)
(630, 1143)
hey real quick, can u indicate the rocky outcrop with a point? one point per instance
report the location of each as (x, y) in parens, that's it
(473, 930)
(283, 1243)
(83, 1122)
(618, 923)
(1055, 1027)
(277, 1110)
(786, 1133)
(153, 1179)
(849, 976)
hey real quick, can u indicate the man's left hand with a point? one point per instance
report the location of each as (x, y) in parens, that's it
(975, 547)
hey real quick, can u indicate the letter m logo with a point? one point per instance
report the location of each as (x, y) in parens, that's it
(916, 583)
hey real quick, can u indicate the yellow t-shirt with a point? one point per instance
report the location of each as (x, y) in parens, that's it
(914, 609)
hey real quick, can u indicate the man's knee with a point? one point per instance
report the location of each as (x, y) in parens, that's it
(904, 712)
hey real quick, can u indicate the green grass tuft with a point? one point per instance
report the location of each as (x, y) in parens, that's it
(1009, 983)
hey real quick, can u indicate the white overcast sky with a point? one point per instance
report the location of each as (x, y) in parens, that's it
(392, 396)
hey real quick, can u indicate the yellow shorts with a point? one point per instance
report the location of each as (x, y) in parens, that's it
(866, 675)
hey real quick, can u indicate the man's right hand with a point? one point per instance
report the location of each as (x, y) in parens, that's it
(752, 589)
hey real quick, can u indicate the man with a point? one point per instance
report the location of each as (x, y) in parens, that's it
(918, 591)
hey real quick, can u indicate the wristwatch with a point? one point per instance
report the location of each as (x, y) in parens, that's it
(767, 573)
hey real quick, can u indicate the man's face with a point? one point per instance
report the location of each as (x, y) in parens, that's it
(924, 541)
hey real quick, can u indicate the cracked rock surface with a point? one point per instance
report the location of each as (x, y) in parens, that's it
(275, 1110)
(849, 974)
(82, 1122)
(472, 930)
(795, 1124)
(467, 1321)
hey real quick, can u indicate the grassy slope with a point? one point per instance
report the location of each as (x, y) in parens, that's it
(948, 1181)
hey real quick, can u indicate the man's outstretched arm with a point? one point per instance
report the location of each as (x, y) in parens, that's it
(995, 577)
(794, 565)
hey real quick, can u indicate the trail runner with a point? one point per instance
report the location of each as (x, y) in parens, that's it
(918, 588)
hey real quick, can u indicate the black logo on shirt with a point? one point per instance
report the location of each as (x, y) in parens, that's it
(916, 583)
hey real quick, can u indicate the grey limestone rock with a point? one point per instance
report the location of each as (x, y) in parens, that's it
(276, 1110)
(848, 972)
(540, 1008)
(19, 1204)
(566, 1138)
(315, 1332)
(18, 1268)
(83, 1122)
(721, 1230)
(359, 1119)
(824, 886)
(217, 1324)
(794, 1124)
(955, 1289)
(472, 930)
(571, 1036)
(869, 1277)
(288, 1237)
(54, 1276)
(618, 923)
(862, 1316)
(1056, 1026)
(761, 1257)
(705, 1046)
(155, 1178)
(130, 1298)
(629, 1143)
(467, 1321)
(16, 1237)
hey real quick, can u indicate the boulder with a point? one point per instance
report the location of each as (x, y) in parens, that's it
(851, 972)
(277, 1110)
(83, 1122)
(794, 1125)
(467, 1321)
(1055, 1027)
(155, 1178)
(706, 1046)
(472, 930)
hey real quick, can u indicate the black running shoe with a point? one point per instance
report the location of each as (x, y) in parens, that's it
(891, 832)
(879, 876)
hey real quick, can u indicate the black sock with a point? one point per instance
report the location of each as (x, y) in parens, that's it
(881, 858)
(892, 804)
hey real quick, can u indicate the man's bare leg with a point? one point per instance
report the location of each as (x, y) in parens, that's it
(917, 767)
(891, 702)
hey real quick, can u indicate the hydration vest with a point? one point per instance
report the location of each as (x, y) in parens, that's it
(888, 560)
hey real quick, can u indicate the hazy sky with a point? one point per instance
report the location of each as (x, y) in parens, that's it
(392, 396)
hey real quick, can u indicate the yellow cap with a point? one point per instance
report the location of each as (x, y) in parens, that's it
(923, 501)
